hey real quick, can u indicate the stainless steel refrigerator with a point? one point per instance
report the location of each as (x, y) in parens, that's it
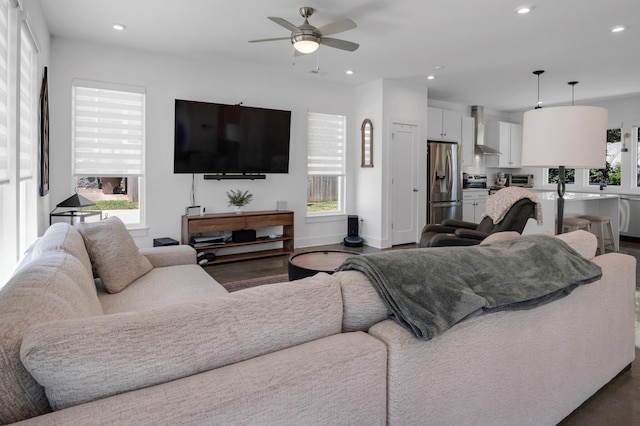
(444, 182)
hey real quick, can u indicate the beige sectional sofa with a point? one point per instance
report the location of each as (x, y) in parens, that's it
(172, 347)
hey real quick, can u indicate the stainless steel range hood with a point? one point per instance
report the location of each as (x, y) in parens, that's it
(482, 145)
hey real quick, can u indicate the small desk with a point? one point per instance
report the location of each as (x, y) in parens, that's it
(82, 214)
(306, 264)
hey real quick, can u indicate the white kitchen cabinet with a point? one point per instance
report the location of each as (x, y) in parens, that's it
(509, 137)
(443, 125)
(474, 203)
(467, 140)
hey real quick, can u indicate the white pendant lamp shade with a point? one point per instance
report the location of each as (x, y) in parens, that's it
(570, 136)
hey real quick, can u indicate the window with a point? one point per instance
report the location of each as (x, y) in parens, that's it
(4, 56)
(569, 176)
(326, 164)
(7, 224)
(28, 140)
(610, 175)
(636, 137)
(18, 136)
(108, 147)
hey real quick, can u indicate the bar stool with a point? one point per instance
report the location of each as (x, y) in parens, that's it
(574, 223)
(600, 221)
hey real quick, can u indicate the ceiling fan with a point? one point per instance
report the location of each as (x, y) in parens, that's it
(306, 38)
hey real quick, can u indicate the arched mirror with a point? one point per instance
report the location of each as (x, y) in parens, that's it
(367, 143)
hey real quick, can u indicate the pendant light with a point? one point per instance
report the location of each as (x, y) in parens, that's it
(538, 104)
(565, 136)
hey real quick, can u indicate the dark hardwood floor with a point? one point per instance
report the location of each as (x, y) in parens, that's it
(234, 271)
(617, 403)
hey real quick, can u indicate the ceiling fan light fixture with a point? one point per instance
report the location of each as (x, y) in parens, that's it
(305, 43)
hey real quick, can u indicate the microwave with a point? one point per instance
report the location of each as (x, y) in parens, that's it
(521, 180)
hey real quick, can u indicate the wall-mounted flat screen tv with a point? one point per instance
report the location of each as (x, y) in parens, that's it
(218, 138)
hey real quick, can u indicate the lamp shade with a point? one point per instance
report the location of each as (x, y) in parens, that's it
(570, 136)
(306, 46)
(305, 43)
(76, 201)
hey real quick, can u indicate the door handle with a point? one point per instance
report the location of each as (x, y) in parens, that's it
(415, 189)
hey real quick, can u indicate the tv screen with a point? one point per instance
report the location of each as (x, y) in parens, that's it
(217, 138)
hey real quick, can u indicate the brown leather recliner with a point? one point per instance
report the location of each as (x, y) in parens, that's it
(460, 233)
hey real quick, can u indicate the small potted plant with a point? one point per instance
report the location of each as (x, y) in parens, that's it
(239, 199)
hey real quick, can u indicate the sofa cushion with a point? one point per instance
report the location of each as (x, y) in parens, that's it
(52, 287)
(162, 287)
(585, 243)
(362, 305)
(62, 236)
(121, 352)
(499, 236)
(113, 253)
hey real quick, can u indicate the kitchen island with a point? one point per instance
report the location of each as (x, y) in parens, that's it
(575, 204)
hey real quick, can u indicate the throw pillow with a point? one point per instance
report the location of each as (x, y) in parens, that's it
(113, 253)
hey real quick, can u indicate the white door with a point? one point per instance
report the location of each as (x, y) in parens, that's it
(404, 184)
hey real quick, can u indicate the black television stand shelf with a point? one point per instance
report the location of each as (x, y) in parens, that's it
(224, 176)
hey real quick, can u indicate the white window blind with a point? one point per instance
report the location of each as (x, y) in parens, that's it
(4, 54)
(27, 105)
(108, 130)
(325, 144)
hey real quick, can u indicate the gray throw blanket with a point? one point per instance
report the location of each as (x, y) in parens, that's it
(430, 290)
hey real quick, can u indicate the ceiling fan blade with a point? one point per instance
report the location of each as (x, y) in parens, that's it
(339, 44)
(283, 22)
(269, 39)
(337, 27)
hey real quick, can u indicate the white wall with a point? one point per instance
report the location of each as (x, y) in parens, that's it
(368, 195)
(40, 32)
(167, 78)
(407, 105)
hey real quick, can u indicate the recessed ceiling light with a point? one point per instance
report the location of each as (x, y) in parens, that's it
(431, 77)
(618, 28)
(349, 72)
(118, 27)
(523, 10)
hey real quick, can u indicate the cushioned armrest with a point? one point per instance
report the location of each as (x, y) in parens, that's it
(170, 255)
(459, 224)
(437, 229)
(448, 240)
(471, 233)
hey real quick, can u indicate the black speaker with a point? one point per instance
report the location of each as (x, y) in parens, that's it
(161, 242)
(243, 236)
(352, 226)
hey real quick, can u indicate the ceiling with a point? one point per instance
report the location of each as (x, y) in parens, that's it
(487, 52)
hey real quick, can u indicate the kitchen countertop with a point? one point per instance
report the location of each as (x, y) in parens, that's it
(573, 196)
(576, 204)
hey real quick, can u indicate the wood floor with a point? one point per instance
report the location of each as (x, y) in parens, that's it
(617, 403)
